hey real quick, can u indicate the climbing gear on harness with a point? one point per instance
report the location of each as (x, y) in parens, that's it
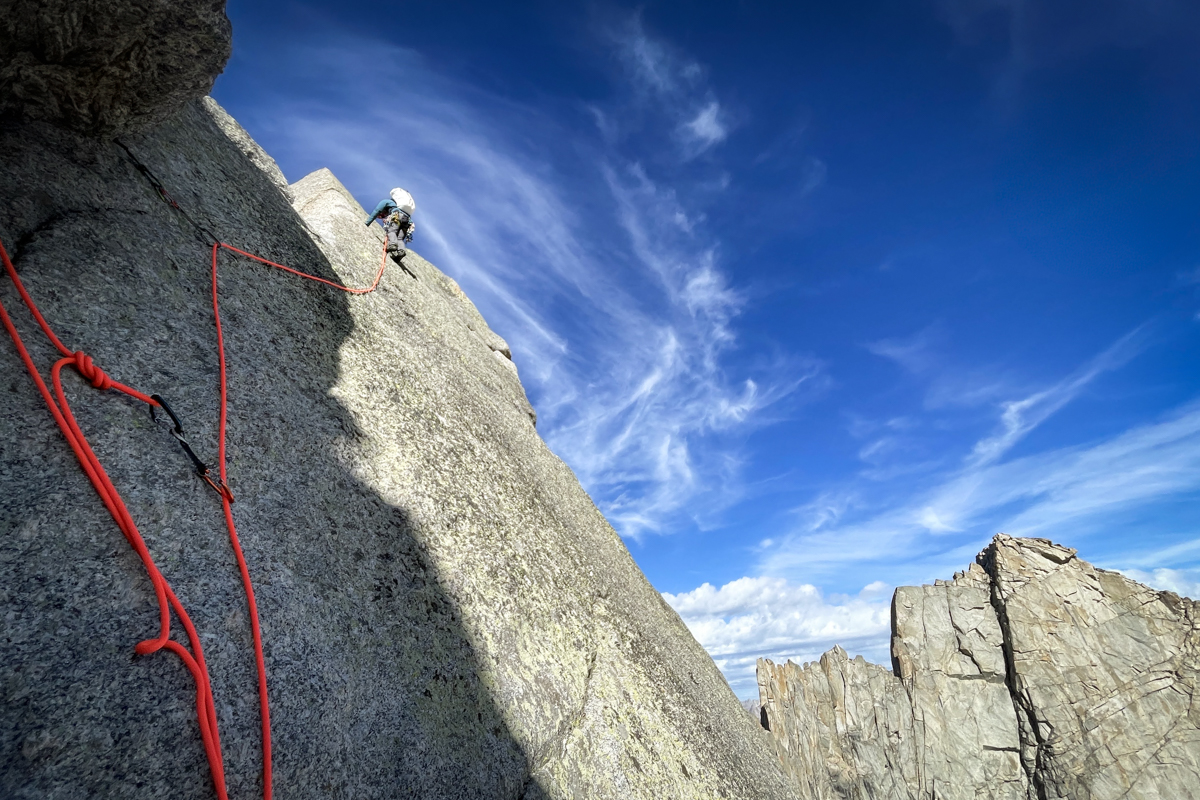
(201, 468)
(403, 224)
(193, 655)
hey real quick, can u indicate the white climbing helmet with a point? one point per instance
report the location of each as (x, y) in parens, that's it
(404, 201)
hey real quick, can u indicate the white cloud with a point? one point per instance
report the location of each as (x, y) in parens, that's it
(1189, 277)
(934, 524)
(1164, 555)
(815, 172)
(1019, 417)
(1048, 495)
(706, 128)
(1034, 35)
(669, 89)
(1183, 582)
(948, 388)
(825, 510)
(650, 62)
(934, 533)
(874, 589)
(914, 354)
(772, 618)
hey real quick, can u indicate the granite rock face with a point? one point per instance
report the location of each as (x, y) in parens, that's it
(108, 66)
(334, 218)
(1105, 676)
(1030, 675)
(445, 613)
(753, 708)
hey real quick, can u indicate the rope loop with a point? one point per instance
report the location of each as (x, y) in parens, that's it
(93, 374)
(192, 658)
(148, 646)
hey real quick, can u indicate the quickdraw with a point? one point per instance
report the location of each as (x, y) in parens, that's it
(202, 469)
(60, 410)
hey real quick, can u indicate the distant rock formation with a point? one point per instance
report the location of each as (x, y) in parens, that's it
(445, 612)
(1031, 676)
(753, 708)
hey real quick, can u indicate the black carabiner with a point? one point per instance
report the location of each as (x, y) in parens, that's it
(201, 468)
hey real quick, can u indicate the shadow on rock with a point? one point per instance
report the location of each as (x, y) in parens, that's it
(376, 689)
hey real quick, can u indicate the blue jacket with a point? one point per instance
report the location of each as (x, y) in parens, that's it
(384, 208)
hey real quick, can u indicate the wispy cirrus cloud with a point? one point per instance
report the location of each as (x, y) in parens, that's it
(606, 284)
(919, 355)
(915, 353)
(1019, 417)
(1053, 493)
(1039, 34)
(935, 521)
(703, 131)
(706, 128)
(666, 86)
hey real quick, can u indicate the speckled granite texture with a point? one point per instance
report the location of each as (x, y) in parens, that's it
(108, 66)
(445, 613)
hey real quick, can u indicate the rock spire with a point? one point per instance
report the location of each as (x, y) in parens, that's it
(1031, 676)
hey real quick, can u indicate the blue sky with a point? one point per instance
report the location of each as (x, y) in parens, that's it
(814, 298)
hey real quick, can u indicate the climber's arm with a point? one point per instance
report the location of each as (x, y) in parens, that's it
(380, 210)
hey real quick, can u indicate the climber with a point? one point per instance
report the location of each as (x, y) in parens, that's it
(396, 213)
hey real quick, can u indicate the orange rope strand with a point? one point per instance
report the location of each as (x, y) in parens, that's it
(60, 410)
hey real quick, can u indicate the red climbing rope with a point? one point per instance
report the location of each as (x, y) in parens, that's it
(347, 289)
(193, 659)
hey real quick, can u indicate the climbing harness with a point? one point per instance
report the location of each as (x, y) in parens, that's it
(60, 410)
(403, 224)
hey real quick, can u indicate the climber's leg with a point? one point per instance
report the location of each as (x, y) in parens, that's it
(395, 240)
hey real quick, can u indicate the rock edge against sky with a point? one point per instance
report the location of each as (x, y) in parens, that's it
(1032, 674)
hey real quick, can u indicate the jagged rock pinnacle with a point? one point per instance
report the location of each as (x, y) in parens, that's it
(1031, 676)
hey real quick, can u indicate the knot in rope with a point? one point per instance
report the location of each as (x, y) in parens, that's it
(88, 369)
(192, 656)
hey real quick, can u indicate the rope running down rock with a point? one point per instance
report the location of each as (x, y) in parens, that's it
(193, 659)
